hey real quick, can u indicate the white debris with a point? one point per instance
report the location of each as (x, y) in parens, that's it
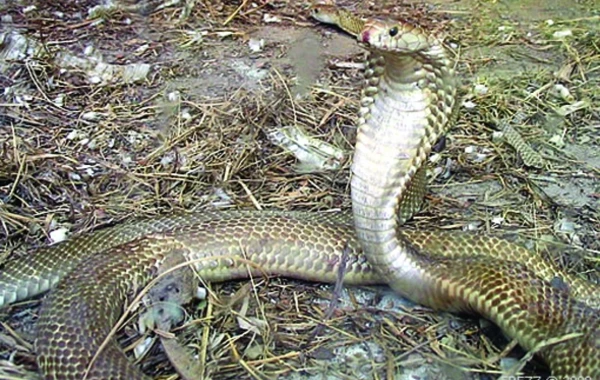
(102, 9)
(167, 159)
(570, 108)
(142, 49)
(174, 96)
(18, 47)
(94, 79)
(469, 104)
(256, 45)
(89, 50)
(252, 324)
(58, 235)
(563, 92)
(497, 220)
(480, 89)
(557, 140)
(437, 171)
(313, 155)
(224, 34)
(473, 226)
(185, 114)
(143, 347)
(480, 157)
(270, 19)
(89, 172)
(74, 176)
(223, 199)
(562, 33)
(90, 115)
(135, 72)
(476, 155)
(59, 100)
(435, 158)
(196, 37)
(565, 225)
(73, 134)
(126, 159)
(201, 293)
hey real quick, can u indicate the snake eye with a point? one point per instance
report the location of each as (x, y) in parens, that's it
(393, 31)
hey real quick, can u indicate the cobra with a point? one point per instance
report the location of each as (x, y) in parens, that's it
(407, 103)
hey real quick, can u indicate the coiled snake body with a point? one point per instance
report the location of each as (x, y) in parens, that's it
(406, 103)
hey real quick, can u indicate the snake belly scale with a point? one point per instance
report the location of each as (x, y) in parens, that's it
(407, 102)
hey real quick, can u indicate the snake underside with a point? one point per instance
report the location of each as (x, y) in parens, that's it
(407, 103)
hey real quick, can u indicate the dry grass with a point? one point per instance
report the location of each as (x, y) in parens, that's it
(143, 153)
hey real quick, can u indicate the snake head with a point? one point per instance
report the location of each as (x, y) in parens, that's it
(325, 13)
(393, 36)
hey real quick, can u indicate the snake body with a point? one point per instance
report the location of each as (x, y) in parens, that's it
(529, 156)
(406, 104)
(414, 78)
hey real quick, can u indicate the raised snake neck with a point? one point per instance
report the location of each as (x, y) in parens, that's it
(437, 268)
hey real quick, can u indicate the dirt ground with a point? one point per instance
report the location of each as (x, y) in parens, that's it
(186, 127)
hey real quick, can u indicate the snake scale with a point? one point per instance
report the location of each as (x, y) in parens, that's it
(407, 102)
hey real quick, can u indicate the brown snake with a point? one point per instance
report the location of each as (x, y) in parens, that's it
(406, 103)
